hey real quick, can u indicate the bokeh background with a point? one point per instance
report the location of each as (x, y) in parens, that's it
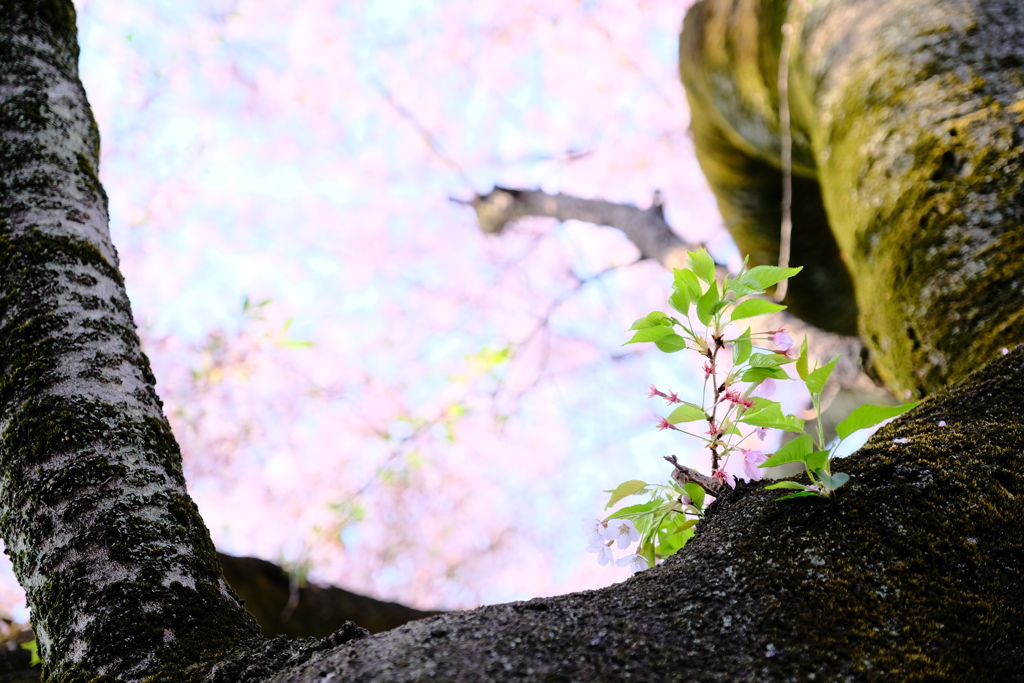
(367, 389)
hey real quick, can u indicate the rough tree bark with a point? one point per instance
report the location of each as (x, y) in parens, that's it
(912, 572)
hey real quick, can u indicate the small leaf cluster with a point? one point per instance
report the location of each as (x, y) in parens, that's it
(665, 521)
(707, 313)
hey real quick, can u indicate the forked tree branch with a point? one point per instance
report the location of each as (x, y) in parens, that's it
(652, 235)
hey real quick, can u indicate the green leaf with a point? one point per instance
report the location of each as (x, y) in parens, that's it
(785, 485)
(741, 348)
(869, 416)
(816, 460)
(767, 360)
(696, 494)
(753, 375)
(687, 412)
(680, 301)
(690, 523)
(745, 286)
(652, 319)
(761, 403)
(647, 551)
(832, 481)
(670, 343)
(773, 418)
(626, 488)
(766, 276)
(794, 451)
(634, 510)
(816, 380)
(801, 362)
(703, 265)
(686, 281)
(33, 647)
(675, 542)
(649, 334)
(752, 307)
(706, 304)
(799, 495)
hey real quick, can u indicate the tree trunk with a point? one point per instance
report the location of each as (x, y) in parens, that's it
(120, 572)
(907, 125)
(912, 571)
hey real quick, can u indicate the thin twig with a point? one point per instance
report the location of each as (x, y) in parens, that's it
(684, 475)
(786, 236)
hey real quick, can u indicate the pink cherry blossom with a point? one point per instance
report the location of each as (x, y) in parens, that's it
(782, 340)
(761, 432)
(735, 396)
(665, 424)
(751, 460)
(724, 477)
(766, 389)
(656, 392)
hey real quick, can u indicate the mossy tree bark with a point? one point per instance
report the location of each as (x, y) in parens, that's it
(913, 571)
(120, 572)
(907, 131)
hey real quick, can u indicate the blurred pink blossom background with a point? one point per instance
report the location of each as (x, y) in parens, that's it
(365, 387)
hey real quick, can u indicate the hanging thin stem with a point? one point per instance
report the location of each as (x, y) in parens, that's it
(786, 236)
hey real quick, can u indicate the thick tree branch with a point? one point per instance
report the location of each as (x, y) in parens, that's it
(652, 235)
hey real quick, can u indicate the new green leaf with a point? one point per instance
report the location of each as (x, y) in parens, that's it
(686, 281)
(649, 334)
(627, 488)
(794, 451)
(652, 319)
(687, 412)
(670, 343)
(766, 276)
(816, 460)
(832, 481)
(633, 510)
(703, 265)
(816, 380)
(799, 495)
(696, 494)
(785, 485)
(773, 418)
(741, 348)
(753, 375)
(869, 416)
(706, 304)
(801, 362)
(752, 307)
(680, 301)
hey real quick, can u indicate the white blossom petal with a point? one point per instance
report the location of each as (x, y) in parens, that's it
(622, 532)
(636, 563)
